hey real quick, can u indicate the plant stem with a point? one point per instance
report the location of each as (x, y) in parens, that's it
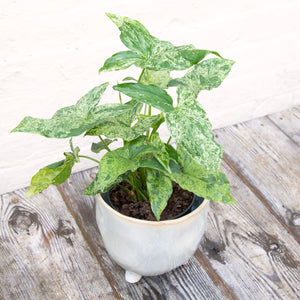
(104, 144)
(140, 78)
(90, 158)
(169, 140)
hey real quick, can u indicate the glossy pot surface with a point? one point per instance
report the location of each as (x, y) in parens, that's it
(148, 247)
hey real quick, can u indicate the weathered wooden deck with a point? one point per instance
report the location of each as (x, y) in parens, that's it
(50, 247)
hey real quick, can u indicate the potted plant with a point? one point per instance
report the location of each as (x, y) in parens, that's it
(145, 169)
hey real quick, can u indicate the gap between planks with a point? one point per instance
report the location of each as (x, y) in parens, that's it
(109, 278)
(260, 196)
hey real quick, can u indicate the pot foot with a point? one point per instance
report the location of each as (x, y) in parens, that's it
(132, 277)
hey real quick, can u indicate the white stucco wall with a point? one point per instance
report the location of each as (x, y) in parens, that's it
(51, 51)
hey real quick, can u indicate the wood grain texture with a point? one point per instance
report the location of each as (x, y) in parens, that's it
(43, 254)
(191, 281)
(289, 122)
(250, 249)
(269, 162)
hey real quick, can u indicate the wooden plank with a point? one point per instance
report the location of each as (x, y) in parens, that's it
(289, 122)
(191, 281)
(249, 248)
(42, 252)
(269, 162)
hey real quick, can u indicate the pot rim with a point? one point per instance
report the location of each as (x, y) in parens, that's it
(199, 209)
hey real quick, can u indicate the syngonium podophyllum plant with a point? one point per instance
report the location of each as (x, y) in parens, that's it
(147, 163)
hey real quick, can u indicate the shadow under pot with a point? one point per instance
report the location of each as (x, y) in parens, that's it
(150, 248)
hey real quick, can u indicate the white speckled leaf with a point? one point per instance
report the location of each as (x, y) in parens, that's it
(205, 75)
(149, 94)
(115, 165)
(117, 129)
(156, 54)
(54, 174)
(73, 120)
(199, 180)
(191, 129)
(120, 126)
(160, 189)
(113, 168)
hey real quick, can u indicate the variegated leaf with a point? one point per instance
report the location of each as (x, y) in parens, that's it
(156, 55)
(54, 174)
(160, 189)
(191, 129)
(73, 120)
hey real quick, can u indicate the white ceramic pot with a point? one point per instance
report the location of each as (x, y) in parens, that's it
(148, 248)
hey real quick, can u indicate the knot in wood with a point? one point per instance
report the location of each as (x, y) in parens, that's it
(65, 230)
(22, 220)
(296, 218)
(273, 247)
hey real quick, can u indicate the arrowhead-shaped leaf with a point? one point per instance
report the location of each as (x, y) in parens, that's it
(206, 75)
(156, 55)
(160, 189)
(201, 181)
(73, 120)
(149, 94)
(54, 174)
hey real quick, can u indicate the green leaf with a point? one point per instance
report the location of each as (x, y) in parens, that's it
(191, 129)
(117, 164)
(134, 35)
(201, 181)
(121, 126)
(163, 155)
(97, 147)
(153, 163)
(160, 189)
(73, 120)
(156, 55)
(113, 168)
(129, 78)
(55, 174)
(206, 75)
(117, 129)
(121, 60)
(149, 94)
(158, 78)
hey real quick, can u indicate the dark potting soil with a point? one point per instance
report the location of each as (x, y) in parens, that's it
(121, 200)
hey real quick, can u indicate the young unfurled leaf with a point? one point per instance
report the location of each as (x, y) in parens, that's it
(73, 120)
(191, 129)
(149, 94)
(156, 55)
(97, 147)
(55, 174)
(160, 189)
